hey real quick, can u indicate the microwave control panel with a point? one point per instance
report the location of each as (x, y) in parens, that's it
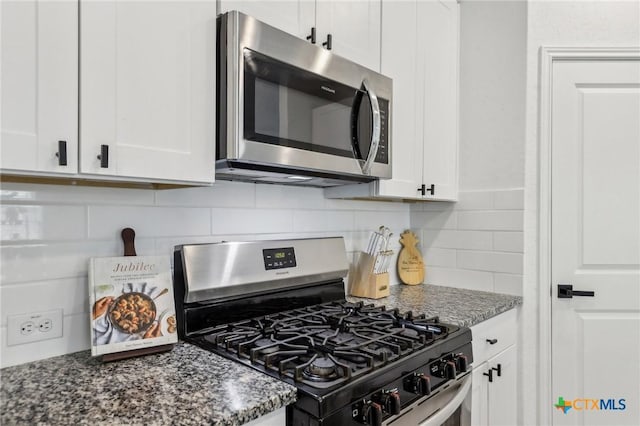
(383, 148)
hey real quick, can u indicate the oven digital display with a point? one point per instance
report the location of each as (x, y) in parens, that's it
(279, 258)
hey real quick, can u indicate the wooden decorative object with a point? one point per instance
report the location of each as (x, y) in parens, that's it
(410, 263)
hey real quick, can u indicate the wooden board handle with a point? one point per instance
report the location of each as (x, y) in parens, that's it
(128, 237)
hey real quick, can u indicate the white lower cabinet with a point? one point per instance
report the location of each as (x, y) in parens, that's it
(495, 374)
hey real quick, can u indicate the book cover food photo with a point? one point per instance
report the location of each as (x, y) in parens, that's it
(131, 303)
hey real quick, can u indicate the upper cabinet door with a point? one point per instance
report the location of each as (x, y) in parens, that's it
(296, 17)
(354, 27)
(39, 87)
(438, 56)
(147, 90)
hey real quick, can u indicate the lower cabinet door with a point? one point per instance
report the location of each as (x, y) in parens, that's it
(502, 402)
(494, 390)
(479, 398)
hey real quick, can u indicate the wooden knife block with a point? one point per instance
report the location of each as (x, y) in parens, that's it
(364, 283)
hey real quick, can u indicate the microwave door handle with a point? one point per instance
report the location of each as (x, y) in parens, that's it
(375, 135)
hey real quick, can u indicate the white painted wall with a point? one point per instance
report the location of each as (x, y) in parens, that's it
(560, 24)
(492, 94)
(48, 233)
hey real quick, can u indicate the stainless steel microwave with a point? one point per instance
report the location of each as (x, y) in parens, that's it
(295, 113)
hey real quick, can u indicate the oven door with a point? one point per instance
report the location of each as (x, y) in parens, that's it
(448, 407)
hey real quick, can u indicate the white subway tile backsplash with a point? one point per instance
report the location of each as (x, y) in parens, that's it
(319, 220)
(476, 200)
(22, 193)
(508, 241)
(107, 221)
(452, 277)
(439, 257)
(289, 197)
(44, 222)
(69, 294)
(222, 194)
(508, 284)
(254, 221)
(468, 240)
(490, 220)
(509, 200)
(337, 204)
(372, 220)
(434, 220)
(490, 261)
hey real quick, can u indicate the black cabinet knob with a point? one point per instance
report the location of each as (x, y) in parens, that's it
(489, 374)
(492, 341)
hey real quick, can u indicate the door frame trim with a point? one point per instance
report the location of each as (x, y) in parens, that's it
(548, 56)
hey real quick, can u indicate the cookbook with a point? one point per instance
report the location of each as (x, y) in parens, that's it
(131, 303)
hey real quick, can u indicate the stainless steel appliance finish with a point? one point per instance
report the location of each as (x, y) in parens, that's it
(227, 269)
(335, 151)
(279, 307)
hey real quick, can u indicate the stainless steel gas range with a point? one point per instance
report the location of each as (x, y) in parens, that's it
(279, 307)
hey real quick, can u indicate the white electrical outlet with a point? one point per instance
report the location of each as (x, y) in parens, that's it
(27, 328)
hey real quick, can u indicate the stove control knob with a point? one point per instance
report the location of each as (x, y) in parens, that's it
(368, 413)
(389, 400)
(444, 369)
(418, 384)
(461, 362)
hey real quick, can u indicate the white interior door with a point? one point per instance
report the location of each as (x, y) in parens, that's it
(595, 138)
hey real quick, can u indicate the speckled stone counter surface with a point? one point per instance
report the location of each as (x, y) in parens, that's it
(453, 305)
(185, 386)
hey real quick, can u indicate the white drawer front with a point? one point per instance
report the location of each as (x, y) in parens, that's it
(492, 336)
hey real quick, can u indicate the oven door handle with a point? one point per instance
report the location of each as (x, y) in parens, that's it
(445, 412)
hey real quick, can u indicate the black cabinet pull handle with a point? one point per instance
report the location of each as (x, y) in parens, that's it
(489, 374)
(492, 341)
(566, 291)
(104, 156)
(498, 369)
(423, 189)
(62, 153)
(432, 189)
(328, 43)
(312, 37)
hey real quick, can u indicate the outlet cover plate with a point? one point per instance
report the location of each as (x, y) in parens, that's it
(34, 327)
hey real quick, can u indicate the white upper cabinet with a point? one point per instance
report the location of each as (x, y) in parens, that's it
(296, 17)
(353, 27)
(147, 90)
(438, 56)
(39, 80)
(420, 53)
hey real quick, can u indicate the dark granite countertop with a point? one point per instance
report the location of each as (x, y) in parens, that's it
(189, 385)
(185, 386)
(453, 305)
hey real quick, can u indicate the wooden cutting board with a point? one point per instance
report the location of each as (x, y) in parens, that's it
(410, 263)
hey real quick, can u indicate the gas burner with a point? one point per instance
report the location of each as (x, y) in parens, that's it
(266, 346)
(321, 368)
